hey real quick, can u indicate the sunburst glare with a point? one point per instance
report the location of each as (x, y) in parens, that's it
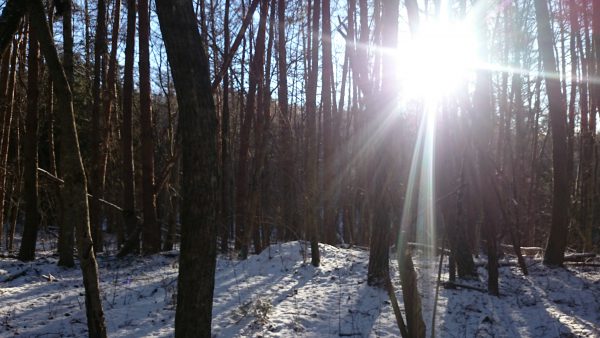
(441, 56)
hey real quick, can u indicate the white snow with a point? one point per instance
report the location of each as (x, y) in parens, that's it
(279, 294)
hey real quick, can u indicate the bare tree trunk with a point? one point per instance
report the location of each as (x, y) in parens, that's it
(74, 191)
(108, 98)
(261, 131)
(557, 241)
(247, 206)
(226, 161)
(14, 210)
(329, 183)
(588, 130)
(285, 154)
(310, 191)
(151, 233)
(95, 171)
(53, 191)
(379, 105)
(32, 215)
(595, 96)
(200, 168)
(7, 81)
(88, 42)
(66, 235)
(485, 181)
(408, 276)
(241, 181)
(132, 231)
(17, 182)
(361, 79)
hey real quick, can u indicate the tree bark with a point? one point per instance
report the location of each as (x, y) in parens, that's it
(243, 212)
(285, 154)
(74, 190)
(226, 161)
(380, 193)
(32, 215)
(7, 82)
(95, 171)
(557, 241)
(66, 235)
(200, 168)
(329, 177)
(151, 233)
(485, 178)
(127, 174)
(310, 191)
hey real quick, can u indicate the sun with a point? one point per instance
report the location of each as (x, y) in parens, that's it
(437, 60)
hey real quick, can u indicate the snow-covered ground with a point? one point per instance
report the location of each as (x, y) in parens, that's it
(279, 294)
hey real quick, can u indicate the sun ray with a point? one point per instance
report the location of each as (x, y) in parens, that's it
(440, 57)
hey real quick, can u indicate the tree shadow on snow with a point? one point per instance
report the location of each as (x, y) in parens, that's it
(524, 309)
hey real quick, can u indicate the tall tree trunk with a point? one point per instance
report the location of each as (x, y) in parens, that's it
(595, 95)
(557, 241)
(484, 180)
(361, 79)
(200, 168)
(95, 171)
(261, 129)
(132, 243)
(151, 233)
(285, 154)
(53, 193)
(67, 228)
(226, 162)
(74, 190)
(408, 275)
(32, 215)
(7, 82)
(248, 206)
(108, 96)
(329, 182)
(241, 180)
(380, 158)
(311, 158)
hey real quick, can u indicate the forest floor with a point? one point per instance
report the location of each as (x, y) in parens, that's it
(279, 294)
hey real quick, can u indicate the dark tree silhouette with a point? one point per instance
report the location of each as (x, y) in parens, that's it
(199, 164)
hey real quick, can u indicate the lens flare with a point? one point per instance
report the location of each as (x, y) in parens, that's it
(436, 61)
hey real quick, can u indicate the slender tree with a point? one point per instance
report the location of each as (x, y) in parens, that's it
(285, 154)
(243, 212)
(226, 161)
(95, 171)
(311, 153)
(380, 191)
(127, 173)
(74, 190)
(32, 215)
(7, 84)
(67, 230)
(151, 233)
(329, 184)
(408, 277)
(557, 240)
